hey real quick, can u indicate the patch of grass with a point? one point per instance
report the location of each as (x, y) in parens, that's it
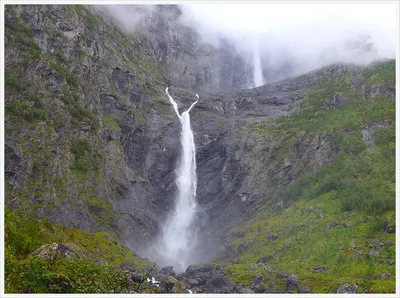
(91, 20)
(85, 159)
(20, 109)
(380, 73)
(21, 36)
(111, 122)
(12, 81)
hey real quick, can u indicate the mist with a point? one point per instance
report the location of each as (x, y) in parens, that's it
(286, 39)
(296, 38)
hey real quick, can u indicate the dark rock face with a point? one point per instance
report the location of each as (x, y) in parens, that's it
(190, 60)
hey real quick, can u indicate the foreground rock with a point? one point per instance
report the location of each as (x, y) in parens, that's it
(54, 250)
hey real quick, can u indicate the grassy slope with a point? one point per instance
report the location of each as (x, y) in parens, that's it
(95, 272)
(335, 217)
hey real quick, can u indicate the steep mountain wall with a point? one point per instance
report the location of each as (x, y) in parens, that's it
(190, 60)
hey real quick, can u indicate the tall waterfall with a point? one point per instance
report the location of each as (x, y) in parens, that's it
(257, 74)
(177, 237)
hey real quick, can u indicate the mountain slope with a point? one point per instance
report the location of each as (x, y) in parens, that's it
(335, 223)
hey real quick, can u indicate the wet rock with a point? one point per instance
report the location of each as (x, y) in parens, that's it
(206, 268)
(192, 281)
(264, 260)
(337, 100)
(376, 244)
(54, 250)
(246, 291)
(219, 284)
(238, 234)
(260, 288)
(332, 224)
(168, 270)
(292, 283)
(391, 229)
(277, 206)
(390, 243)
(259, 278)
(169, 283)
(319, 269)
(283, 274)
(348, 289)
(137, 277)
(127, 266)
(241, 248)
(305, 289)
(272, 237)
(383, 276)
(374, 253)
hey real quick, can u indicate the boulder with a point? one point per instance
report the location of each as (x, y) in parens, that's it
(219, 283)
(292, 283)
(54, 250)
(319, 269)
(348, 289)
(264, 260)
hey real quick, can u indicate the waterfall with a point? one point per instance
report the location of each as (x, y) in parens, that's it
(257, 74)
(177, 236)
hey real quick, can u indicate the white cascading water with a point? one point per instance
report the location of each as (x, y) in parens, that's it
(257, 74)
(178, 238)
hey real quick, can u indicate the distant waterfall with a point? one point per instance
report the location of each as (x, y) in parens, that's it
(177, 237)
(257, 74)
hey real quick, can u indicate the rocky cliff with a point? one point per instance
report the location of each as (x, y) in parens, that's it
(91, 139)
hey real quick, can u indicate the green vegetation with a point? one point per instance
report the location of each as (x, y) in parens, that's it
(25, 273)
(12, 81)
(380, 73)
(19, 33)
(85, 159)
(90, 19)
(20, 109)
(111, 122)
(335, 217)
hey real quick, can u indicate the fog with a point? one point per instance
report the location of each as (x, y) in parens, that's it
(303, 36)
(287, 39)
